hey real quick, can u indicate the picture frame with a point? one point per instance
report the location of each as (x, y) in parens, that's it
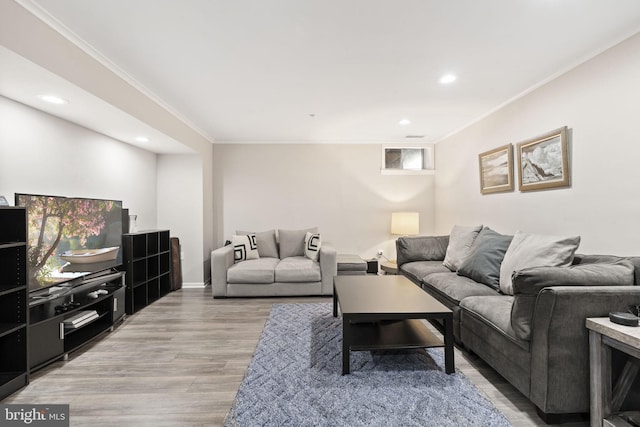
(543, 161)
(496, 170)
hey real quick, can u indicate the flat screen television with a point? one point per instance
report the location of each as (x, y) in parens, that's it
(69, 238)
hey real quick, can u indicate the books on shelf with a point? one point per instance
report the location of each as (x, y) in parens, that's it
(81, 318)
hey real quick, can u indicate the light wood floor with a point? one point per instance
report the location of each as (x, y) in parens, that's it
(180, 361)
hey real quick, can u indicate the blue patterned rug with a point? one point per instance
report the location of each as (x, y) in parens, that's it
(295, 379)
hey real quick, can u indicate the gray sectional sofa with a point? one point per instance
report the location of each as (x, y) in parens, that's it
(280, 267)
(533, 332)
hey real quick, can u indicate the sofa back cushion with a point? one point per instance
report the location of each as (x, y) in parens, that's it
(535, 250)
(583, 259)
(460, 241)
(292, 241)
(266, 241)
(421, 248)
(527, 283)
(485, 258)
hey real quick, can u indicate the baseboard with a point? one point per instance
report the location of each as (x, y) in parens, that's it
(194, 285)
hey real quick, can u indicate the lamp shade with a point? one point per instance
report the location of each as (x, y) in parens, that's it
(405, 223)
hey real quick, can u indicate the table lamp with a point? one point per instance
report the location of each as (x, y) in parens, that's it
(405, 223)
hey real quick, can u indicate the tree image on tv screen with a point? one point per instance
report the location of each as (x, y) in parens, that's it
(57, 224)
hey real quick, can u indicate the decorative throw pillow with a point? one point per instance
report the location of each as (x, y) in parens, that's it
(292, 242)
(535, 250)
(312, 243)
(244, 247)
(460, 241)
(266, 240)
(485, 258)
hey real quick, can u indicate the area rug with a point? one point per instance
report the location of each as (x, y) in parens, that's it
(294, 379)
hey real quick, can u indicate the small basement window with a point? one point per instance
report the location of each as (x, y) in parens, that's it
(401, 160)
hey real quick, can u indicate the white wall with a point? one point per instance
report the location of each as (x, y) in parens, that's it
(43, 154)
(599, 102)
(33, 39)
(180, 210)
(338, 188)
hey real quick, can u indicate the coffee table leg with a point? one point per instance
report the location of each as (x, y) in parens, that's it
(346, 341)
(449, 364)
(335, 301)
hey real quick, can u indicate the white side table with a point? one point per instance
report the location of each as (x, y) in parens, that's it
(606, 399)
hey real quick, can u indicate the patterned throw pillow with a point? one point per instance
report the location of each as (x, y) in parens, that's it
(312, 243)
(244, 247)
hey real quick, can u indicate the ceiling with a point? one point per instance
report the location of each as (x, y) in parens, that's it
(337, 70)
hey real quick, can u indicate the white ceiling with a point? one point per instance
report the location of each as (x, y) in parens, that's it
(338, 70)
(24, 81)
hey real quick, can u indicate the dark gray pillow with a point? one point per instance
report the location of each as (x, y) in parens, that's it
(421, 248)
(485, 258)
(266, 240)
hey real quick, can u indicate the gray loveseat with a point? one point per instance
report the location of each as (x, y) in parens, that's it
(280, 269)
(535, 338)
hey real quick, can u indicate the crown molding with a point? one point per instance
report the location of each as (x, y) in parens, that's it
(40, 13)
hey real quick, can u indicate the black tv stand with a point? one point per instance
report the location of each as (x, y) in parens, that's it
(53, 335)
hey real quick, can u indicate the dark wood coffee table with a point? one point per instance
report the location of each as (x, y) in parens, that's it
(382, 312)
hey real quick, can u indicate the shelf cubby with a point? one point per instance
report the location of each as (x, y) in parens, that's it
(13, 259)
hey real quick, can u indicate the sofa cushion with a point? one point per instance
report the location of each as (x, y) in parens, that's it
(259, 270)
(485, 331)
(453, 288)
(535, 250)
(528, 283)
(292, 242)
(312, 244)
(460, 242)
(417, 270)
(485, 258)
(495, 311)
(583, 259)
(421, 248)
(266, 241)
(297, 269)
(244, 247)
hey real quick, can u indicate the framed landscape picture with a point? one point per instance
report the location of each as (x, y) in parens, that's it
(542, 162)
(496, 170)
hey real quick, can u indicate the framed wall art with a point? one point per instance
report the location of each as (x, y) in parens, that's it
(496, 170)
(543, 162)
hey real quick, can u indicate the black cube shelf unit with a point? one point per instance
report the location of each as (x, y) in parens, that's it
(14, 300)
(147, 262)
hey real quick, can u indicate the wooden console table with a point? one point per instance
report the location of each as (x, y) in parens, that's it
(607, 399)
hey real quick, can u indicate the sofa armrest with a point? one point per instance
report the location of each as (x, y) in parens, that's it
(559, 342)
(421, 248)
(221, 260)
(328, 268)
(528, 282)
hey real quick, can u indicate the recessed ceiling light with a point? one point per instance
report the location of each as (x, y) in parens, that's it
(404, 122)
(447, 78)
(142, 139)
(53, 99)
